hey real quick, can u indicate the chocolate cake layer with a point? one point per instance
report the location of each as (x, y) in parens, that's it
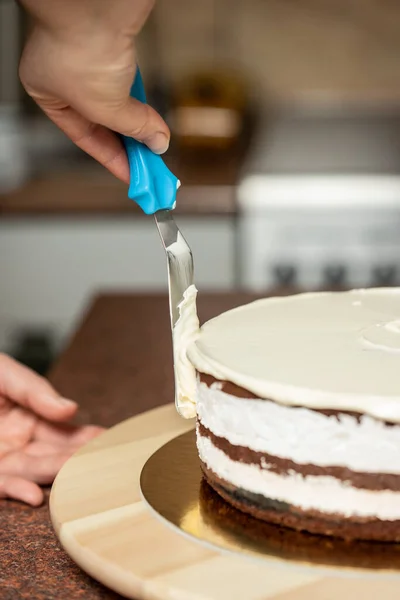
(234, 390)
(286, 515)
(289, 544)
(227, 387)
(283, 466)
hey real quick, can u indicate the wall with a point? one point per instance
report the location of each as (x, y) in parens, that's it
(288, 48)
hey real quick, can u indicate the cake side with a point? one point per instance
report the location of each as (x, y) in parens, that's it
(314, 522)
(290, 544)
(301, 468)
(298, 410)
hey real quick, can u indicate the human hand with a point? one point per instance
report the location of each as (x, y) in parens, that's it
(79, 64)
(35, 441)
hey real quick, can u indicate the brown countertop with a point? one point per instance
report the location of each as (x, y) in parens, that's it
(118, 364)
(208, 188)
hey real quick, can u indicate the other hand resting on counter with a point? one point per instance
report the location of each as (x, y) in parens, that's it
(35, 438)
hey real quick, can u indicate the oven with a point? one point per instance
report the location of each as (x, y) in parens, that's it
(319, 203)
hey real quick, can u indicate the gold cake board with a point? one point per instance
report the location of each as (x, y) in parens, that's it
(111, 533)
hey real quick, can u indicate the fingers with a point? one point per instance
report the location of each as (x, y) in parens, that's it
(139, 121)
(98, 141)
(24, 387)
(66, 435)
(134, 119)
(18, 488)
(39, 469)
(40, 462)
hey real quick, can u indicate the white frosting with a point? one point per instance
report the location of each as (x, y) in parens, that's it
(184, 333)
(321, 350)
(299, 434)
(383, 336)
(325, 494)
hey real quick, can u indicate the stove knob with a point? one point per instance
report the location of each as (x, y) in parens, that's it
(384, 275)
(285, 275)
(334, 275)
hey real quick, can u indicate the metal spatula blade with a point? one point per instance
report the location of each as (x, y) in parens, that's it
(179, 261)
(154, 187)
(180, 279)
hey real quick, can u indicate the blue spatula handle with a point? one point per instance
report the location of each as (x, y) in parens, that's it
(152, 185)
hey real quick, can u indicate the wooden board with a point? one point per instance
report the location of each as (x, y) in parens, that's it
(106, 527)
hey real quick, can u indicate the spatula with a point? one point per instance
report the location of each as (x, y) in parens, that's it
(153, 187)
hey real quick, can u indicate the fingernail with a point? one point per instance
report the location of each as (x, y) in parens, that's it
(67, 402)
(158, 142)
(63, 401)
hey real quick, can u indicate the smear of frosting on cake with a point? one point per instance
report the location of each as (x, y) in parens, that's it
(185, 332)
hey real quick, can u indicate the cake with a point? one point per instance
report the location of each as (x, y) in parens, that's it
(263, 538)
(298, 410)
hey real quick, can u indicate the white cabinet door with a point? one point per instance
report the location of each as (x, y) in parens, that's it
(51, 267)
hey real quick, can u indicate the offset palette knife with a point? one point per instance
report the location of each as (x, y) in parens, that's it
(153, 187)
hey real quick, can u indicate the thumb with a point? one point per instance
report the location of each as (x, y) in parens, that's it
(26, 388)
(139, 121)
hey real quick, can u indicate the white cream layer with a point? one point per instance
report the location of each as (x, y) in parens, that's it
(323, 350)
(325, 494)
(299, 434)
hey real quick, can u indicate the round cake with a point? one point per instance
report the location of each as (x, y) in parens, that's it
(298, 410)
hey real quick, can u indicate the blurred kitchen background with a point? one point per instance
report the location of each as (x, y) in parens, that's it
(286, 136)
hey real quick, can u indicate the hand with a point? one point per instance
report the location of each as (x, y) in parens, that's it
(34, 440)
(79, 64)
